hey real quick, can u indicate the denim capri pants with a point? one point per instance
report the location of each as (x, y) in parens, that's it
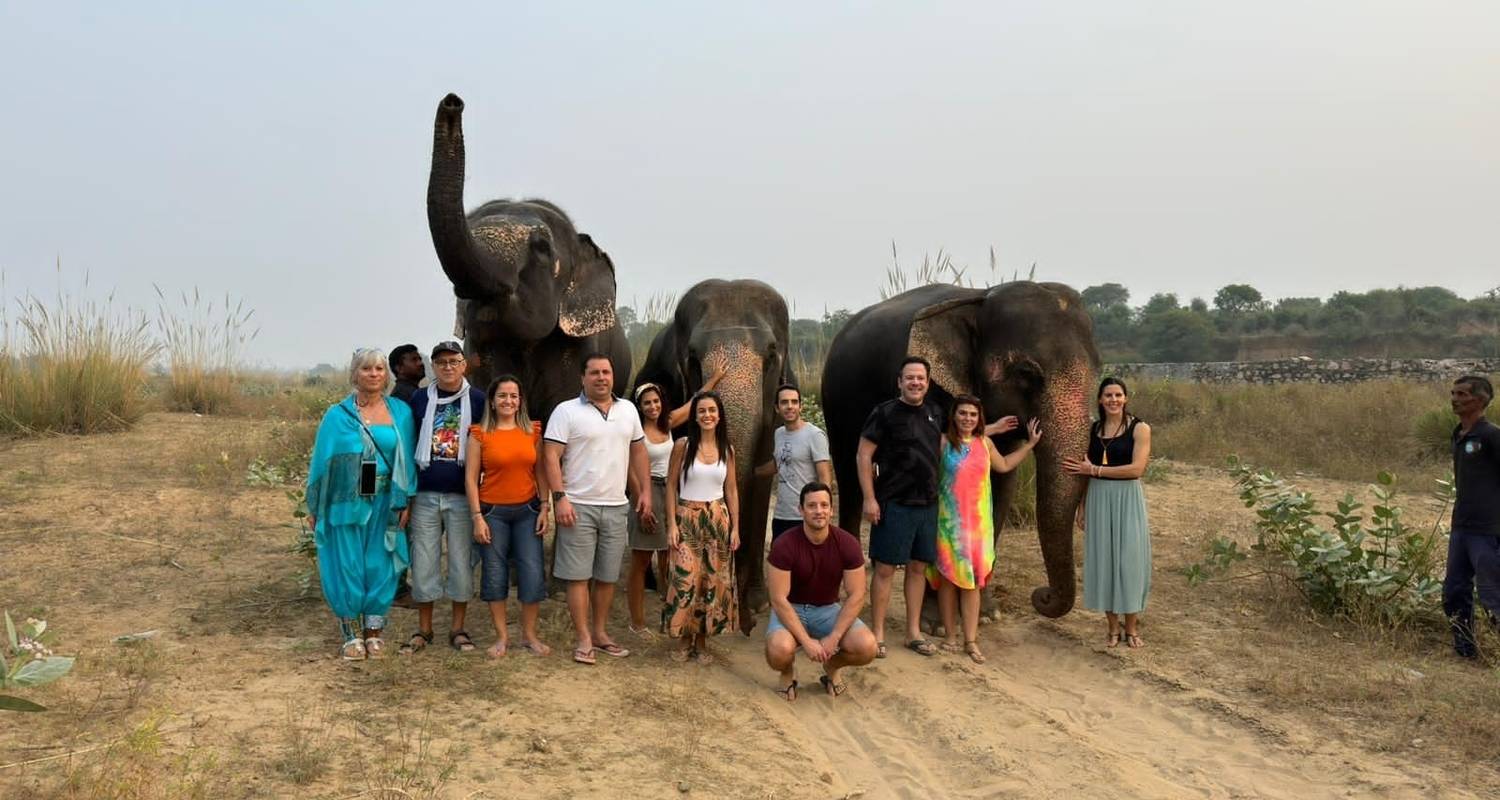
(512, 536)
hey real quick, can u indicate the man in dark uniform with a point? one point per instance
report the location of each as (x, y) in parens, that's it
(1474, 542)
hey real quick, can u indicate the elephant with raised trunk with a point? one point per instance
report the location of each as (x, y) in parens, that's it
(534, 295)
(743, 324)
(1025, 349)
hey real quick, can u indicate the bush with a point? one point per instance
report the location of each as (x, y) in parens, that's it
(25, 660)
(1380, 571)
(79, 367)
(1434, 430)
(203, 351)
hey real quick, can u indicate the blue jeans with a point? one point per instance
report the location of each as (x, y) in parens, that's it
(1473, 561)
(437, 517)
(512, 536)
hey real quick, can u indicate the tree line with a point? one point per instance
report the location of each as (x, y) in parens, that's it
(1238, 324)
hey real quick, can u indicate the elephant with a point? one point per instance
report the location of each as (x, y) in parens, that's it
(535, 296)
(745, 322)
(1024, 348)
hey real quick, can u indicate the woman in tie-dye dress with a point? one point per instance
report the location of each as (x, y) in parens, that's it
(966, 521)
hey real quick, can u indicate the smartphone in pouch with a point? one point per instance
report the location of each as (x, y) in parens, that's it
(367, 479)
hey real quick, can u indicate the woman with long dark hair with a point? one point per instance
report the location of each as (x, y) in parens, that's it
(648, 540)
(703, 533)
(966, 520)
(505, 482)
(1116, 535)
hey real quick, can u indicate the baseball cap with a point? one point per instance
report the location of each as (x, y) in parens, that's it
(448, 346)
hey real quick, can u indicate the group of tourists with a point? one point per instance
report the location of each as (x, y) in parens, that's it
(434, 480)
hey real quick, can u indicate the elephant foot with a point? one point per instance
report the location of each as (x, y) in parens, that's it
(756, 599)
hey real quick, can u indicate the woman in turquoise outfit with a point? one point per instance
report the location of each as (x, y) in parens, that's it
(1116, 535)
(357, 522)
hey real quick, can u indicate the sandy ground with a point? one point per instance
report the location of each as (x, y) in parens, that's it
(239, 694)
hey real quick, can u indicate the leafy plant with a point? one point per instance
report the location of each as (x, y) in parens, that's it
(1375, 569)
(27, 661)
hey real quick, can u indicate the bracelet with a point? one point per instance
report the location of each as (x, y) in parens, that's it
(1096, 470)
(476, 513)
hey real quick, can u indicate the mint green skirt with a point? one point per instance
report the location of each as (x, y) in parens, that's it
(1116, 547)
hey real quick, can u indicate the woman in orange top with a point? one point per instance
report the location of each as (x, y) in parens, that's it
(506, 486)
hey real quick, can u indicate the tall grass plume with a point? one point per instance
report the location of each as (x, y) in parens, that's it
(204, 342)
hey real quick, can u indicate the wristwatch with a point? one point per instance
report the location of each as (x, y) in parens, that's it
(556, 496)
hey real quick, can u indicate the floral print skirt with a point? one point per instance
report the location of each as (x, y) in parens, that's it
(701, 594)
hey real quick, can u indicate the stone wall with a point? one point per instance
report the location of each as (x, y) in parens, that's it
(1310, 370)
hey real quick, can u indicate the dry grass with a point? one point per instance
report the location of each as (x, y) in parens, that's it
(204, 343)
(72, 365)
(1349, 432)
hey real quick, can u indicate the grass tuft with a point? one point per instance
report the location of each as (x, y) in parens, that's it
(204, 343)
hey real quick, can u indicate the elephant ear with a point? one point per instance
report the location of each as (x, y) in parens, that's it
(587, 306)
(943, 333)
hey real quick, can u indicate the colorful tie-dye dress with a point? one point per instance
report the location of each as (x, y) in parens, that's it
(966, 520)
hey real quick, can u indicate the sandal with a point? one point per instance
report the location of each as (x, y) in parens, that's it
(951, 647)
(537, 647)
(497, 650)
(1113, 640)
(466, 645)
(834, 688)
(353, 650)
(788, 692)
(1134, 640)
(643, 633)
(416, 643)
(613, 649)
(374, 647)
(880, 651)
(972, 648)
(922, 647)
(584, 656)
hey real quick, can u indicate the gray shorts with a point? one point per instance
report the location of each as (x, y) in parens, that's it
(594, 546)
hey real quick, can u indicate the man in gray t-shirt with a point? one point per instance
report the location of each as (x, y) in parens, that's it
(799, 456)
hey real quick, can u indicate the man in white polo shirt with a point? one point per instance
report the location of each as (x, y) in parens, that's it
(592, 444)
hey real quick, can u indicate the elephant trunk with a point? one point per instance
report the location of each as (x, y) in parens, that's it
(743, 393)
(451, 238)
(1064, 416)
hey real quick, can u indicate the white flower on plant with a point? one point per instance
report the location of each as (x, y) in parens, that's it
(34, 647)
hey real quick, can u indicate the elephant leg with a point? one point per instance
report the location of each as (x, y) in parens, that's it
(751, 559)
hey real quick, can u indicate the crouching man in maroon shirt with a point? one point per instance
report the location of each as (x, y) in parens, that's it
(807, 565)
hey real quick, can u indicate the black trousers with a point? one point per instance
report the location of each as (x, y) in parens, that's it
(1473, 562)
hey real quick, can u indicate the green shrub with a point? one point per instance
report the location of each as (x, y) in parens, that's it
(76, 367)
(1434, 430)
(26, 660)
(1378, 570)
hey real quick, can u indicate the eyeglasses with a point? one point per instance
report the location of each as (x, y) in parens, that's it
(448, 363)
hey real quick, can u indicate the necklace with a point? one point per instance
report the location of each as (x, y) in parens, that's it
(362, 405)
(1104, 443)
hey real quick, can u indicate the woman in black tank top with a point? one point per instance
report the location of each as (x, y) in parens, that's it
(1117, 536)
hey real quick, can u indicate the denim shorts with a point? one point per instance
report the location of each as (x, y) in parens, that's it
(818, 621)
(512, 538)
(439, 518)
(904, 533)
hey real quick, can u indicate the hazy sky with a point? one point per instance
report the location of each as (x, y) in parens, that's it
(280, 152)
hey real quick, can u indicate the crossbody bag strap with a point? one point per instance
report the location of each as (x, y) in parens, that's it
(371, 437)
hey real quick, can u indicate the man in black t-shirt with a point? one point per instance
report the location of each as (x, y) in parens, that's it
(898, 473)
(1474, 542)
(808, 564)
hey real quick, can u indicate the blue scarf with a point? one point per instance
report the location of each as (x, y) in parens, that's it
(333, 497)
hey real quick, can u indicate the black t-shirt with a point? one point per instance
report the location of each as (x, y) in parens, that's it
(906, 441)
(1476, 471)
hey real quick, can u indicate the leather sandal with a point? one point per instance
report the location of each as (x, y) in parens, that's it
(459, 640)
(417, 643)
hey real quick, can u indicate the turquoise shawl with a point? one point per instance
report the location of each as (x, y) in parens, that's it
(333, 475)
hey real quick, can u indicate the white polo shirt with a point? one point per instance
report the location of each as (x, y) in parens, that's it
(596, 448)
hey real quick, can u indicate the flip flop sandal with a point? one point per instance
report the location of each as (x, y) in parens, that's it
(951, 647)
(613, 649)
(834, 688)
(972, 648)
(880, 651)
(353, 650)
(1133, 640)
(416, 643)
(788, 692)
(537, 648)
(464, 646)
(922, 647)
(374, 647)
(584, 656)
(1113, 640)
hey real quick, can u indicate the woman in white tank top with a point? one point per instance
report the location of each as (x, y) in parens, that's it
(658, 423)
(703, 532)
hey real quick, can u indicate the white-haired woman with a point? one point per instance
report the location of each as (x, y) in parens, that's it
(359, 481)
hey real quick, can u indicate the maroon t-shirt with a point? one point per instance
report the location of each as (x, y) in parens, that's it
(817, 569)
